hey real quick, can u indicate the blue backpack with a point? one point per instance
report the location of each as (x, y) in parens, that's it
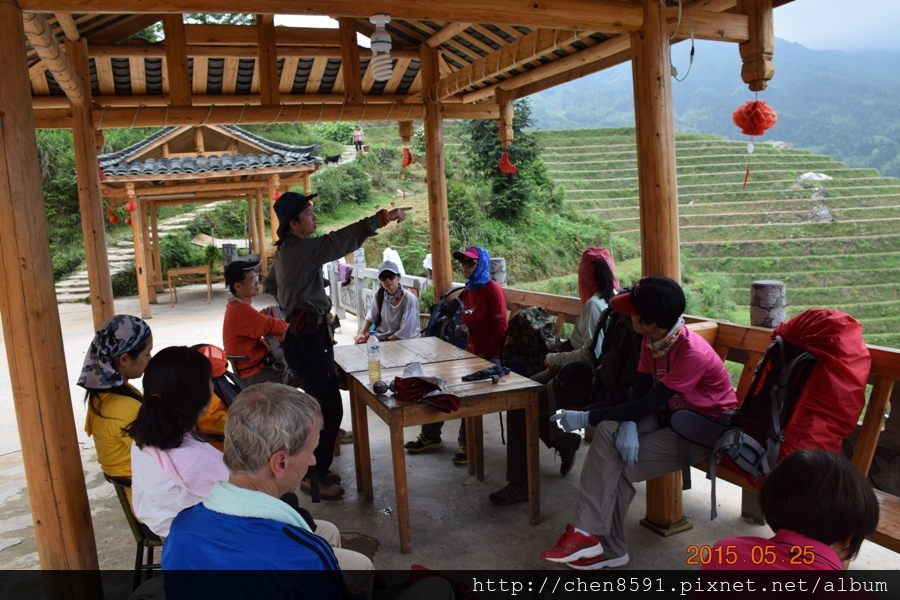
(446, 317)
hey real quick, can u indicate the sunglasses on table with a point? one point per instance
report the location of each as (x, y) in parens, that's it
(380, 387)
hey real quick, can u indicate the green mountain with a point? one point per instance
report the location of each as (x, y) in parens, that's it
(844, 105)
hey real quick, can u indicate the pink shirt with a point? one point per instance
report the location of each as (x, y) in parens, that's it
(695, 372)
(785, 551)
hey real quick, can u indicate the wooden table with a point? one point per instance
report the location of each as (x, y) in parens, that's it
(186, 274)
(439, 359)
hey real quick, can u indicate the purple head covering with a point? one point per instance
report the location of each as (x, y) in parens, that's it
(117, 335)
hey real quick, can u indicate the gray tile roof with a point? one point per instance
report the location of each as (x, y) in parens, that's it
(277, 155)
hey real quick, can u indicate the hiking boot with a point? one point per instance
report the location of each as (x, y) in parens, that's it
(599, 562)
(332, 491)
(461, 457)
(329, 478)
(572, 545)
(423, 443)
(511, 494)
(346, 437)
(566, 450)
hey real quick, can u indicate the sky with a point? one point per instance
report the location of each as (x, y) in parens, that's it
(847, 25)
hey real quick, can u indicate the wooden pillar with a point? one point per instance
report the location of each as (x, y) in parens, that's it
(438, 219)
(149, 262)
(261, 225)
(756, 53)
(658, 188)
(307, 184)
(505, 123)
(251, 223)
(31, 328)
(272, 182)
(154, 247)
(90, 205)
(140, 260)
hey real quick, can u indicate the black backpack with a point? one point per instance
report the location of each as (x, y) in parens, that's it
(530, 335)
(751, 437)
(446, 317)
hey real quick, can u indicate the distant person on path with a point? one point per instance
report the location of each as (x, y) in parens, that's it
(296, 280)
(119, 352)
(244, 328)
(484, 317)
(820, 507)
(633, 441)
(394, 310)
(597, 284)
(358, 139)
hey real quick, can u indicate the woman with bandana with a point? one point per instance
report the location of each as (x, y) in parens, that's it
(119, 352)
(484, 317)
(633, 441)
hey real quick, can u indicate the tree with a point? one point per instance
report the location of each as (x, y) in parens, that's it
(510, 194)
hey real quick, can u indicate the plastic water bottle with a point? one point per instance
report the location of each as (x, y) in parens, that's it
(374, 352)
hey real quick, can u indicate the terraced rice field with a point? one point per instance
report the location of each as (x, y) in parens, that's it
(835, 243)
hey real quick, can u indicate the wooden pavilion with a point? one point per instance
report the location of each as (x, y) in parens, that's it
(70, 64)
(205, 163)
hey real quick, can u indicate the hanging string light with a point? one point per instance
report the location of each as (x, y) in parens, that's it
(380, 41)
(753, 117)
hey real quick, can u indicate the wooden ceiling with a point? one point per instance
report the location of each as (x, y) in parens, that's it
(508, 48)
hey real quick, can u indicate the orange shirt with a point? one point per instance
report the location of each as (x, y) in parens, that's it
(241, 332)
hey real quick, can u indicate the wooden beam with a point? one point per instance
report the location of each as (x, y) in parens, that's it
(570, 75)
(176, 61)
(124, 29)
(60, 511)
(448, 31)
(596, 15)
(112, 101)
(247, 51)
(707, 25)
(436, 178)
(350, 61)
(267, 61)
(501, 61)
(155, 256)
(288, 73)
(251, 223)
(41, 37)
(68, 26)
(234, 35)
(599, 52)
(199, 77)
(93, 226)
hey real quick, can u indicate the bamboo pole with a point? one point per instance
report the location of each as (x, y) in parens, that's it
(658, 188)
(438, 219)
(140, 261)
(90, 204)
(31, 329)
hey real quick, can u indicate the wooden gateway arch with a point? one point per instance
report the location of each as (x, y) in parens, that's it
(71, 64)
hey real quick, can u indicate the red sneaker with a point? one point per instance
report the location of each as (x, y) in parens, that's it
(572, 545)
(599, 562)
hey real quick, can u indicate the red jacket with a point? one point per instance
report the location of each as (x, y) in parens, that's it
(484, 313)
(241, 332)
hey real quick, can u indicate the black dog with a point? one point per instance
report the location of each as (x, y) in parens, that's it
(333, 159)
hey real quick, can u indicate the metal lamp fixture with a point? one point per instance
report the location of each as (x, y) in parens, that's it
(380, 40)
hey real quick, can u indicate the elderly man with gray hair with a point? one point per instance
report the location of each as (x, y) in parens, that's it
(248, 523)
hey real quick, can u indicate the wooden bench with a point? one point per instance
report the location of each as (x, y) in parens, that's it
(186, 275)
(745, 345)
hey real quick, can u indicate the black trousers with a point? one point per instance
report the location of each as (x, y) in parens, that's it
(312, 358)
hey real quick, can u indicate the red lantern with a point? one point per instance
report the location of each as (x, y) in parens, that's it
(506, 166)
(131, 206)
(407, 158)
(128, 221)
(275, 196)
(114, 219)
(754, 117)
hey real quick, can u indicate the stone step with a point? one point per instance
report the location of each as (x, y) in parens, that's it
(72, 297)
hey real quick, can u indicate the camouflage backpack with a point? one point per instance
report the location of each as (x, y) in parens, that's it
(530, 335)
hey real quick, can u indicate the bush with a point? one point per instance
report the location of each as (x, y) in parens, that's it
(346, 183)
(342, 133)
(124, 283)
(176, 250)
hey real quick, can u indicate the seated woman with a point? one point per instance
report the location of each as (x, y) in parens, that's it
(597, 284)
(119, 352)
(396, 316)
(820, 507)
(484, 317)
(173, 466)
(633, 441)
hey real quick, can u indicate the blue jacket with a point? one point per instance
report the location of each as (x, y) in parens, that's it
(255, 557)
